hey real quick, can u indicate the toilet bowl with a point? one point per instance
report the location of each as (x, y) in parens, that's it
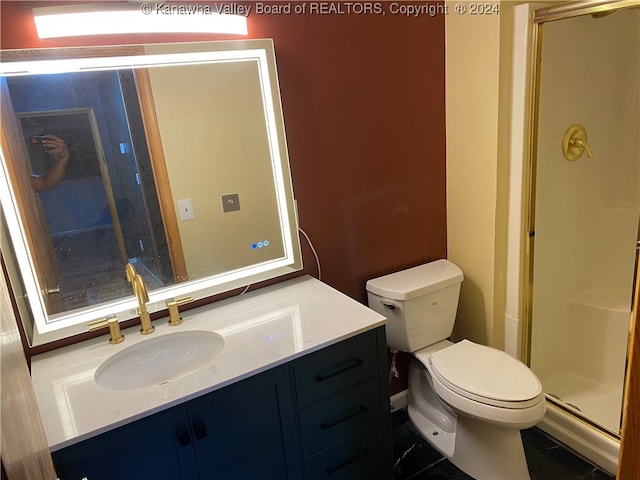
(486, 404)
(468, 400)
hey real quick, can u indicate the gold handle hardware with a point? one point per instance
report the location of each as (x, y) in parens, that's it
(174, 313)
(574, 143)
(114, 328)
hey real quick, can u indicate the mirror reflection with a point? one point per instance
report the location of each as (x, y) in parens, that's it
(177, 166)
(92, 215)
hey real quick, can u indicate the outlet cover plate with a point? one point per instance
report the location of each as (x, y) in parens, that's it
(230, 203)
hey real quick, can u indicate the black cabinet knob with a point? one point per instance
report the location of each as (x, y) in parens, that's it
(200, 429)
(184, 439)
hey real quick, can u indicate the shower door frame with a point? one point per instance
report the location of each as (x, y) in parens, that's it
(518, 318)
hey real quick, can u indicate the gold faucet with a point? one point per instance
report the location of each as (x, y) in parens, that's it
(140, 291)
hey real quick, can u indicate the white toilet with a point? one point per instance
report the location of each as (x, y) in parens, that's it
(469, 401)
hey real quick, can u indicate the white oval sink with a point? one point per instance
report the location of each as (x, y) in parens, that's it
(159, 360)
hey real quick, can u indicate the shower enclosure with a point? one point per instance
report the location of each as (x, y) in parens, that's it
(586, 210)
(576, 172)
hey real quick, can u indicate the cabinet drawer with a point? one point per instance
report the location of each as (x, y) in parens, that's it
(348, 459)
(334, 368)
(344, 416)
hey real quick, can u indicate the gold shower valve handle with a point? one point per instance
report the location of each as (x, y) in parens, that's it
(574, 143)
(582, 143)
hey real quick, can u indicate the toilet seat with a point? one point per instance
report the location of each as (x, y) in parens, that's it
(472, 384)
(486, 375)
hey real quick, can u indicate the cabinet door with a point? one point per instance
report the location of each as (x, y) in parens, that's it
(158, 447)
(247, 430)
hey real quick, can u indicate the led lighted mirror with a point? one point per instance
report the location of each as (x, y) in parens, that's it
(171, 157)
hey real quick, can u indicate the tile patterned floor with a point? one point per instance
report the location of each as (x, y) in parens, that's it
(547, 460)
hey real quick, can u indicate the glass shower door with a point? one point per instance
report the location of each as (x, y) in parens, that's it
(587, 203)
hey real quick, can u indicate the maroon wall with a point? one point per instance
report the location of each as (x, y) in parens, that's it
(363, 101)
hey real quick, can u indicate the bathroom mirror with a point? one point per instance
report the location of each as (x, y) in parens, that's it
(171, 157)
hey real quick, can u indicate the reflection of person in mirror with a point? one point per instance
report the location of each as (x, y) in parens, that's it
(55, 147)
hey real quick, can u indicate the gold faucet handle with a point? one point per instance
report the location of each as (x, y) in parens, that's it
(114, 328)
(174, 313)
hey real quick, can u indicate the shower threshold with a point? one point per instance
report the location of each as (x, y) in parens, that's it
(568, 404)
(598, 402)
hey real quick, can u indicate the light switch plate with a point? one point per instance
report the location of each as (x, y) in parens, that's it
(185, 209)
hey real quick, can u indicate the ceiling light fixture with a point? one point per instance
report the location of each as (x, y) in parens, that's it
(101, 19)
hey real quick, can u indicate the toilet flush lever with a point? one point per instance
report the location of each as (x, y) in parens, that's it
(390, 305)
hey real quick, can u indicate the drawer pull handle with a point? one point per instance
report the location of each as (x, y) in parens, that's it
(346, 463)
(353, 363)
(349, 415)
(184, 439)
(200, 429)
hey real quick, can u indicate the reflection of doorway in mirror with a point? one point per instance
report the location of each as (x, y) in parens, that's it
(97, 218)
(81, 219)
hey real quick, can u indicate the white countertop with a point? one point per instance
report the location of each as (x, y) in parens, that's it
(261, 329)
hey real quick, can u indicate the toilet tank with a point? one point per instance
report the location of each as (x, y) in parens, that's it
(420, 304)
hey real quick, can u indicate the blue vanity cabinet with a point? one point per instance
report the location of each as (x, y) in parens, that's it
(246, 430)
(322, 416)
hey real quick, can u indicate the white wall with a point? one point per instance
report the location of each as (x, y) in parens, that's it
(478, 75)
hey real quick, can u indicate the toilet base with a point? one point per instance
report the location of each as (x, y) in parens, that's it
(480, 449)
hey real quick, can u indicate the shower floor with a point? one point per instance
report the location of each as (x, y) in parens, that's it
(599, 402)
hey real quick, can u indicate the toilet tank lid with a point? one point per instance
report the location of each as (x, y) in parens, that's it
(416, 281)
